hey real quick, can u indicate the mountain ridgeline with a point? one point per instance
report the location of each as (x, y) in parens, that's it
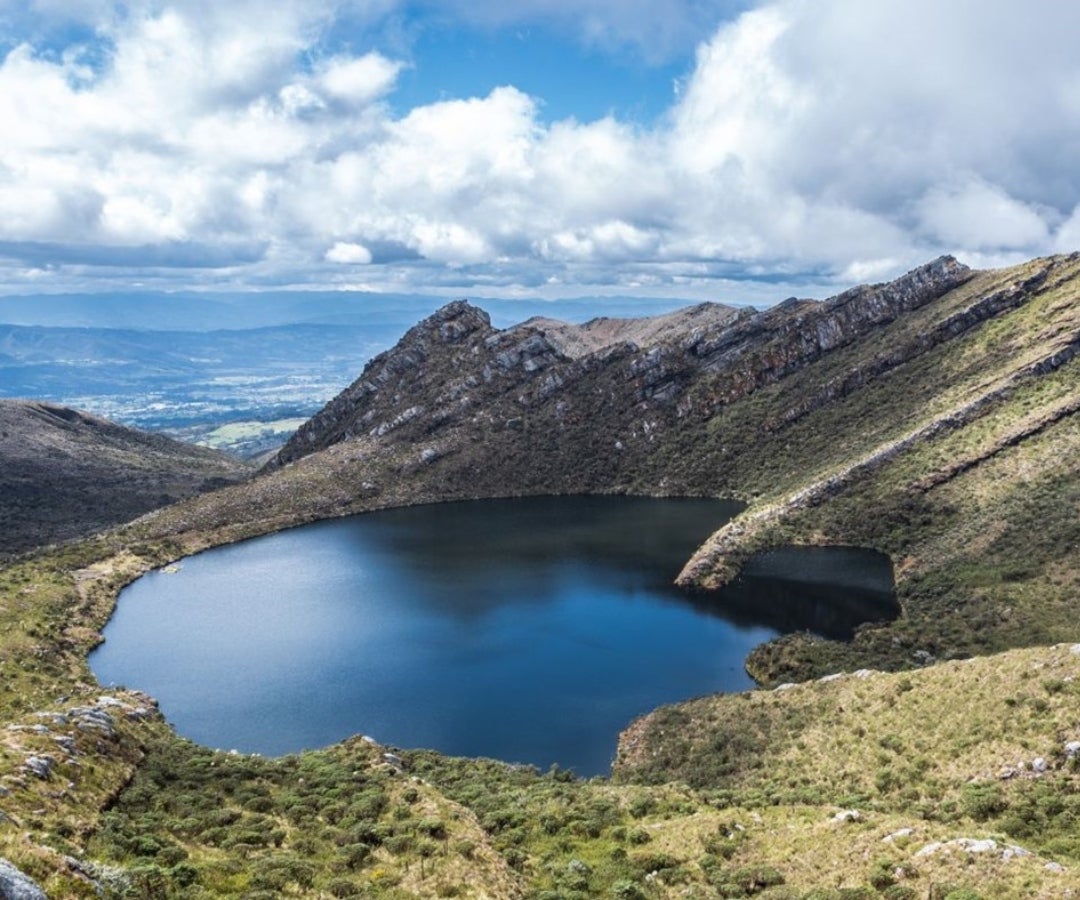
(599, 407)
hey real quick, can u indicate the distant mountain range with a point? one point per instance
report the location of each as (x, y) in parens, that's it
(212, 311)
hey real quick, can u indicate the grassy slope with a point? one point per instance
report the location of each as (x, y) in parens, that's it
(979, 514)
(986, 559)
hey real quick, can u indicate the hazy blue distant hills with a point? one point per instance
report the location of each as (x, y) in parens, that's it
(159, 311)
(236, 371)
(147, 352)
(190, 383)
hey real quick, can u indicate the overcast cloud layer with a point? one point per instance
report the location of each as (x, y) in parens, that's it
(214, 142)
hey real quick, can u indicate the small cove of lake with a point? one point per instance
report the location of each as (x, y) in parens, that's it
(530, 630)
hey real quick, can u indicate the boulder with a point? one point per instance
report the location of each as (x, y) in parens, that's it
(41, 766)
(14, 885)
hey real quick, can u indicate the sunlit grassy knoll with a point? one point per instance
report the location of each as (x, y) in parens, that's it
(239, 431)
(60, 765)
(976, 748)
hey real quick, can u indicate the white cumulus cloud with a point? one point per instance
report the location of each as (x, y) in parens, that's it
(833, 139)
(349, 253)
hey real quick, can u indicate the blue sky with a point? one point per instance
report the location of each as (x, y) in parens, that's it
(568, 78)
(709, 149)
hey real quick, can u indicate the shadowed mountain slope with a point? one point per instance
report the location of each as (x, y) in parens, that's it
(65, 473)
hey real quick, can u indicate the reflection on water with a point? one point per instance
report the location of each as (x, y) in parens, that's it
(826, 590)
(527, 630)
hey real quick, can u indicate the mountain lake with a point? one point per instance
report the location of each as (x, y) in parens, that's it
(528, 630)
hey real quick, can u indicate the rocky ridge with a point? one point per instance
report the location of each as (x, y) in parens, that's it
(564, 408)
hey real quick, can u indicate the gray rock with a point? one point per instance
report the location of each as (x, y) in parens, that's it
(139, 713)
(14, 885)
(91, 718)
(67, 744)
(976, 845)
(1038, 764)
(41, 766)
(1072, 749)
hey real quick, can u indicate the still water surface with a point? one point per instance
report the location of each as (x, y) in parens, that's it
(526, 630)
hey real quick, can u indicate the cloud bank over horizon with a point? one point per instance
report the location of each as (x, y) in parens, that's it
(199, 144)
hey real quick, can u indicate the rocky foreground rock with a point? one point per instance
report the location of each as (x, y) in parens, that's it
(14, 885)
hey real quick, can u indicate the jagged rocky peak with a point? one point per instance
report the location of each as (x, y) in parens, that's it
(453, 379)
(598, 334)
(438, 367)
(451, 323)
(910, 290)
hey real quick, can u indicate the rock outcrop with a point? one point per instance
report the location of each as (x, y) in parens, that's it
(14, 885)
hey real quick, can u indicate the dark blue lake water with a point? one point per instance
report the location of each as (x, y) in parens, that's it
(526, 630)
